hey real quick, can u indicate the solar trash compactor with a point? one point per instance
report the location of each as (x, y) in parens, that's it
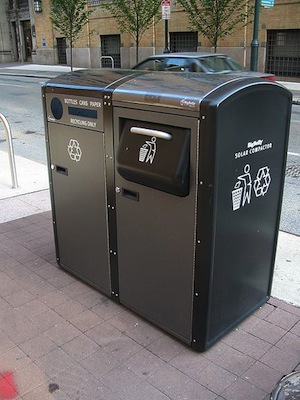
(170, 202)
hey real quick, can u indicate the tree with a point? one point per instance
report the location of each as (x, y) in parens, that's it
(216, 19)
(134, 16)
(69, 17)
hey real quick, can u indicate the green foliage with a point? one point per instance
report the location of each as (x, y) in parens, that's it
(216, 19)
(69, 17)
(134, 16)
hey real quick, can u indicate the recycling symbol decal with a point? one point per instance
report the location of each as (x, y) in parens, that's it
(262, 181)
(245, 186)
(74, 150)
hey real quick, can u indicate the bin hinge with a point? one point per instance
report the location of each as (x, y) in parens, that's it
(107, 100)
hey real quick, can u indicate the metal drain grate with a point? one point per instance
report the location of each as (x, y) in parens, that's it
(293, 171)
(288, 388)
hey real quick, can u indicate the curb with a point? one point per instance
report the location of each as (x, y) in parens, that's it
(29, 75)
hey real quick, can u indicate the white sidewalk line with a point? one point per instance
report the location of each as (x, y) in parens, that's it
(42, 67)
(290, 85)
(286, 278)
(32, 176)
(24, 205)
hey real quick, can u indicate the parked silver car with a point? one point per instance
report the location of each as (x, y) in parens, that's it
(208, 63)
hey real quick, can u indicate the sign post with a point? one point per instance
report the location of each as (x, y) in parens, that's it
(166, 15)
(255, 43)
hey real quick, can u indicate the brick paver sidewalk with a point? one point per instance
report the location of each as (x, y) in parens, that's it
(61, 339)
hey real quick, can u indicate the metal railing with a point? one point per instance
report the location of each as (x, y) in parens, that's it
(109, 58)
(10, 150)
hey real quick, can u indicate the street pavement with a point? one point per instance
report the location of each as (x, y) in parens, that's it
(61, 339)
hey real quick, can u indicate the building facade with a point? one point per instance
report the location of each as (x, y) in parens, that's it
(5, 51)
(17, 31)
(102, 44)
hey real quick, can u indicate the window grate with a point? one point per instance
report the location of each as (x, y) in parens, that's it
(111, 46)
(61, 50)
(183, 41)
(283, 52)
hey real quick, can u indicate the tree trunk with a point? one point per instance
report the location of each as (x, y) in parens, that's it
(71, 54)
(137, 39)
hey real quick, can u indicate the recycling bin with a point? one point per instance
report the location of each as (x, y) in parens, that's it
(77, 109)
(166, 191)
(200, 166)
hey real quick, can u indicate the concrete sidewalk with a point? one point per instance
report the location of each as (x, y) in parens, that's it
(61, 339)
(33, 70)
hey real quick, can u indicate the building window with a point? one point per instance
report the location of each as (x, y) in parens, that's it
(61, 50)
(283, 52)
(21, 4)
(110, 47)
(183, 41)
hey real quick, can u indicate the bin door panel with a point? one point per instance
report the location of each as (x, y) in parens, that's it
(156, 255)
(79, 200)
(156, 224)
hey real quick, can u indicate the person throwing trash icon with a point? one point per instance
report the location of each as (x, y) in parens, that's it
(148, 151)
(242, 189)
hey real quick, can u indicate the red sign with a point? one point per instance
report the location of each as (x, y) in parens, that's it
(166, 9)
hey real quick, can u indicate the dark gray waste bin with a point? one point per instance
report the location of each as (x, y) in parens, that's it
(166, 192)
(200, 165)
(78, 117)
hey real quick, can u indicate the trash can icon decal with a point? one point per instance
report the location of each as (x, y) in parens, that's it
(242, 189)
(148, 151)
(237, 196)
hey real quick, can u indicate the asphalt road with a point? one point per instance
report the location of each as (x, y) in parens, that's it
(290, 215)
(21, 103)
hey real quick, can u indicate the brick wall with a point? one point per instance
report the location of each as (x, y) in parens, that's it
(284, 15)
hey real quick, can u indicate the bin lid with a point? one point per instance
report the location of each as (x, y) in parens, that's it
(91, 79)
(170, 89)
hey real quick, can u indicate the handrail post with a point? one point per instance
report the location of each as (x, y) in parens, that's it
(110, 58)
(10, 150)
